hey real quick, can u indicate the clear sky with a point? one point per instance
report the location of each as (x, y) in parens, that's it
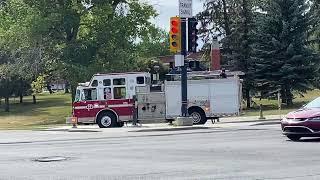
(169, 8)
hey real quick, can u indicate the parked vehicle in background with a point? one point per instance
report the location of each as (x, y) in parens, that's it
(304, 122)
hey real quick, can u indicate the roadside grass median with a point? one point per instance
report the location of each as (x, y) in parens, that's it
(50, 110)
(270, 106)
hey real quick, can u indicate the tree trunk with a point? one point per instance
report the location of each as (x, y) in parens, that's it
(21, 98)
(73, 92)
(246, 52)
(21, 91)
(6, 98)
(289, 96)
(226, 18)
(66, 89)
(34, 100)
(286, 95)
(289, 102)
(283, 95)
(248, 98)
(6, 104)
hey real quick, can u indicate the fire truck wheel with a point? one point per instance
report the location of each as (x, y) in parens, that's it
(107, 120)
(198, 115)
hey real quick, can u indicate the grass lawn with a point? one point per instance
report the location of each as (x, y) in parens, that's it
(49, 110)
(270, 107)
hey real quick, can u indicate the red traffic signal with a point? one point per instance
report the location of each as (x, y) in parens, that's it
(175, 34)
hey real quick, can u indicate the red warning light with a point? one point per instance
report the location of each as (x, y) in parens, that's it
(174, 23)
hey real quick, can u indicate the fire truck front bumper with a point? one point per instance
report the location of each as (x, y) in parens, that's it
(71, 120)
(75, 120)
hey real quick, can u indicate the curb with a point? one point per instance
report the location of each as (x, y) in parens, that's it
(83, 130)
(70, 130)
(266, 123)
(248, 121)
(170, 129)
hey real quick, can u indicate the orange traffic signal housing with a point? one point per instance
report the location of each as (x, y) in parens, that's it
(175, 34)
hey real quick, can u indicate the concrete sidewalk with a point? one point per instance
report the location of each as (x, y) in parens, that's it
(85, 132)
(149, 127)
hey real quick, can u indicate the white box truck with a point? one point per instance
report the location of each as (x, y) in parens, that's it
(207, 99)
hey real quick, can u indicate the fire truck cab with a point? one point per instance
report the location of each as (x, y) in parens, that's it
(108, 98)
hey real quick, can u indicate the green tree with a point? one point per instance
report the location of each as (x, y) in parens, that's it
(90, 38)
(232, 22)
(37, 86)
(315, 25)
(154, 44)
(150, 49)
(283, 60)
(74, 39)
(20, 45)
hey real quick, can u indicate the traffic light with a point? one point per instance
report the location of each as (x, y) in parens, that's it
(192, 35)
(175, 34)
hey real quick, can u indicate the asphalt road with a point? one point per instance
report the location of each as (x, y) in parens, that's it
(238, 151)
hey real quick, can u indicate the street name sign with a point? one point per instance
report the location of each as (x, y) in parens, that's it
(185, 8)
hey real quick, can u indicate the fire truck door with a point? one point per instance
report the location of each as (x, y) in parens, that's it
(80, 109)
(88, 102)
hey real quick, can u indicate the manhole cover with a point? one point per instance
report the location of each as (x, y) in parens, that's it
(51, 159)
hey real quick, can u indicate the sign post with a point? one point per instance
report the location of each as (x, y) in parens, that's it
(184, 77)
(185, 11)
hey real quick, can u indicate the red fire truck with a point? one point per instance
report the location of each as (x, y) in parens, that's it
(108, 98)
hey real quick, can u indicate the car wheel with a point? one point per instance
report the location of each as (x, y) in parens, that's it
(294, 137)
(107, 120)
(198, 116)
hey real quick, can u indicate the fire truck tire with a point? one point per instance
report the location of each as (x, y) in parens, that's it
(107, 120)
(198, 115)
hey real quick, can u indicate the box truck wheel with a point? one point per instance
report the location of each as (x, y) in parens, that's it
(198, 115)
(107, 119)
(120, 124)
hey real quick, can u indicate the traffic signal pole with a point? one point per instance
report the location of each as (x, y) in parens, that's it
(178, 45)
(184, 77)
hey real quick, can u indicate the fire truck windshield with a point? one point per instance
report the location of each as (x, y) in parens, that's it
(77, 98)
(89, 94)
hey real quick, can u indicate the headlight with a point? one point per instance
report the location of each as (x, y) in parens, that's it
(314, 119)
(284, 119)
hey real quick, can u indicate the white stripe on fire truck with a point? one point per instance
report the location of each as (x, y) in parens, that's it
(80, 107)
(92, 107)
(120, 105)
(103, 106)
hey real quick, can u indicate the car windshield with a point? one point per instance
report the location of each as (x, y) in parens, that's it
(313, 104)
